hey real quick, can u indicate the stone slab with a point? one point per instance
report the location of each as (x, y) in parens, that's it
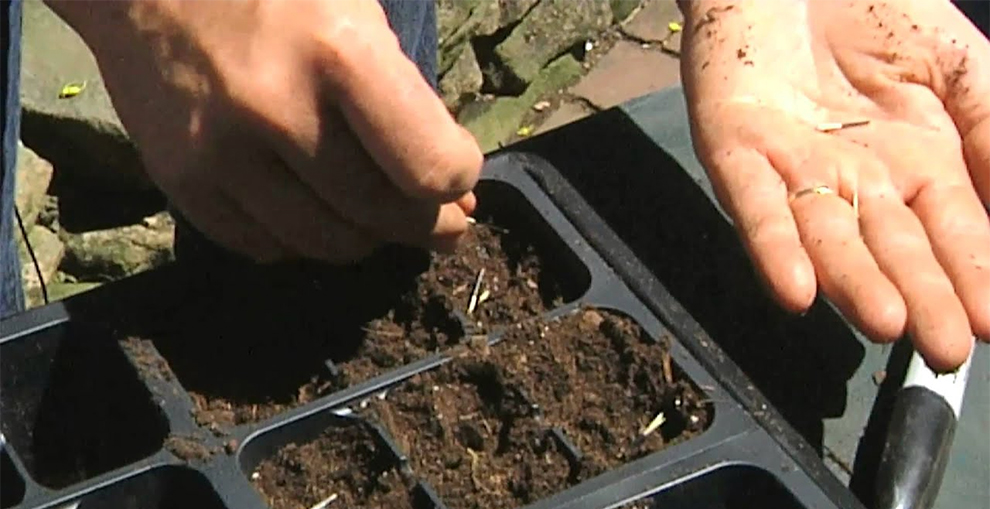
(650, 23)
(34, 175)
(566, 113)
(626, 72)
(80, 134)
(49, 251)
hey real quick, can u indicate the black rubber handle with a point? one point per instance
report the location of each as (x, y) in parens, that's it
(916, 451)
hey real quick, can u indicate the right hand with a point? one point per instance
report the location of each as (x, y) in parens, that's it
(901, 244)
(285, 129)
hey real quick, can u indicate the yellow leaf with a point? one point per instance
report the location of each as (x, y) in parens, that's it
(71, 90)
(674, 26)
(525, 131)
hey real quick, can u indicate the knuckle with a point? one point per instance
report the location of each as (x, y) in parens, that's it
(767, 229)
(343, 47)
(449, 175)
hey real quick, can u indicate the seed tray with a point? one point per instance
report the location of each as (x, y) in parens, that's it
(138, 394)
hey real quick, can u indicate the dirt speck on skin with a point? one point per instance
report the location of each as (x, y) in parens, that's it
(188, 448)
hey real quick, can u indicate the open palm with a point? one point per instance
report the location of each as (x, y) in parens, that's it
(883, 214)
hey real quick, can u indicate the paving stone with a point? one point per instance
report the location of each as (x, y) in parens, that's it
(513, 10)
(59, 290)
(549, 29)
(622, 9)
(497, 121)
(464, 77)
(106, 255)
(49, 251)
(34, 174)
(566, 113)
(628, 71)
(650, 23)
(81, 135)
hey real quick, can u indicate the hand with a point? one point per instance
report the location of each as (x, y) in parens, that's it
(903, 243)
(284, 129)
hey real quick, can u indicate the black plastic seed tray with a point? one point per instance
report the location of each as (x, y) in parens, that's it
(99, 411)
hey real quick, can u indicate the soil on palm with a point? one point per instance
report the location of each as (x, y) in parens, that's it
(345, 462)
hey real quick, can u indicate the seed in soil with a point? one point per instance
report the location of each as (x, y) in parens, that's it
(597, 375)
(475, 439)
(346, 463)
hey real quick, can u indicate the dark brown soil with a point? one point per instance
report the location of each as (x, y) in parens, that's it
(475, 439)
(517, 287)
(598, 376)
(259, 348)
(477, 428)
(346, 461)
(149, 364)
(188, 448)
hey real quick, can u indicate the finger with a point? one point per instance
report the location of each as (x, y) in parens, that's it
(964, 87)
(846, 270)
(936, 321)
(343, 175)
(976, 148)
(288, 209)
(223, 221)
(448, 242)
(960, 235)
(468, 203)
(755, 197)
(397, 116)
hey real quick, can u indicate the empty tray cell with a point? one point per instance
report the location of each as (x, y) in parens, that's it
(162, 488)
(73, 407)
(476, 440)
(11, 483)
(612, 389)
(729, 487)
(347, 464)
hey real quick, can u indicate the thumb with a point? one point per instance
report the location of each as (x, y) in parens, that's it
(397, 116)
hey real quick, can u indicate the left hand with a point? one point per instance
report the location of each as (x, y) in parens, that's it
(902, 244)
